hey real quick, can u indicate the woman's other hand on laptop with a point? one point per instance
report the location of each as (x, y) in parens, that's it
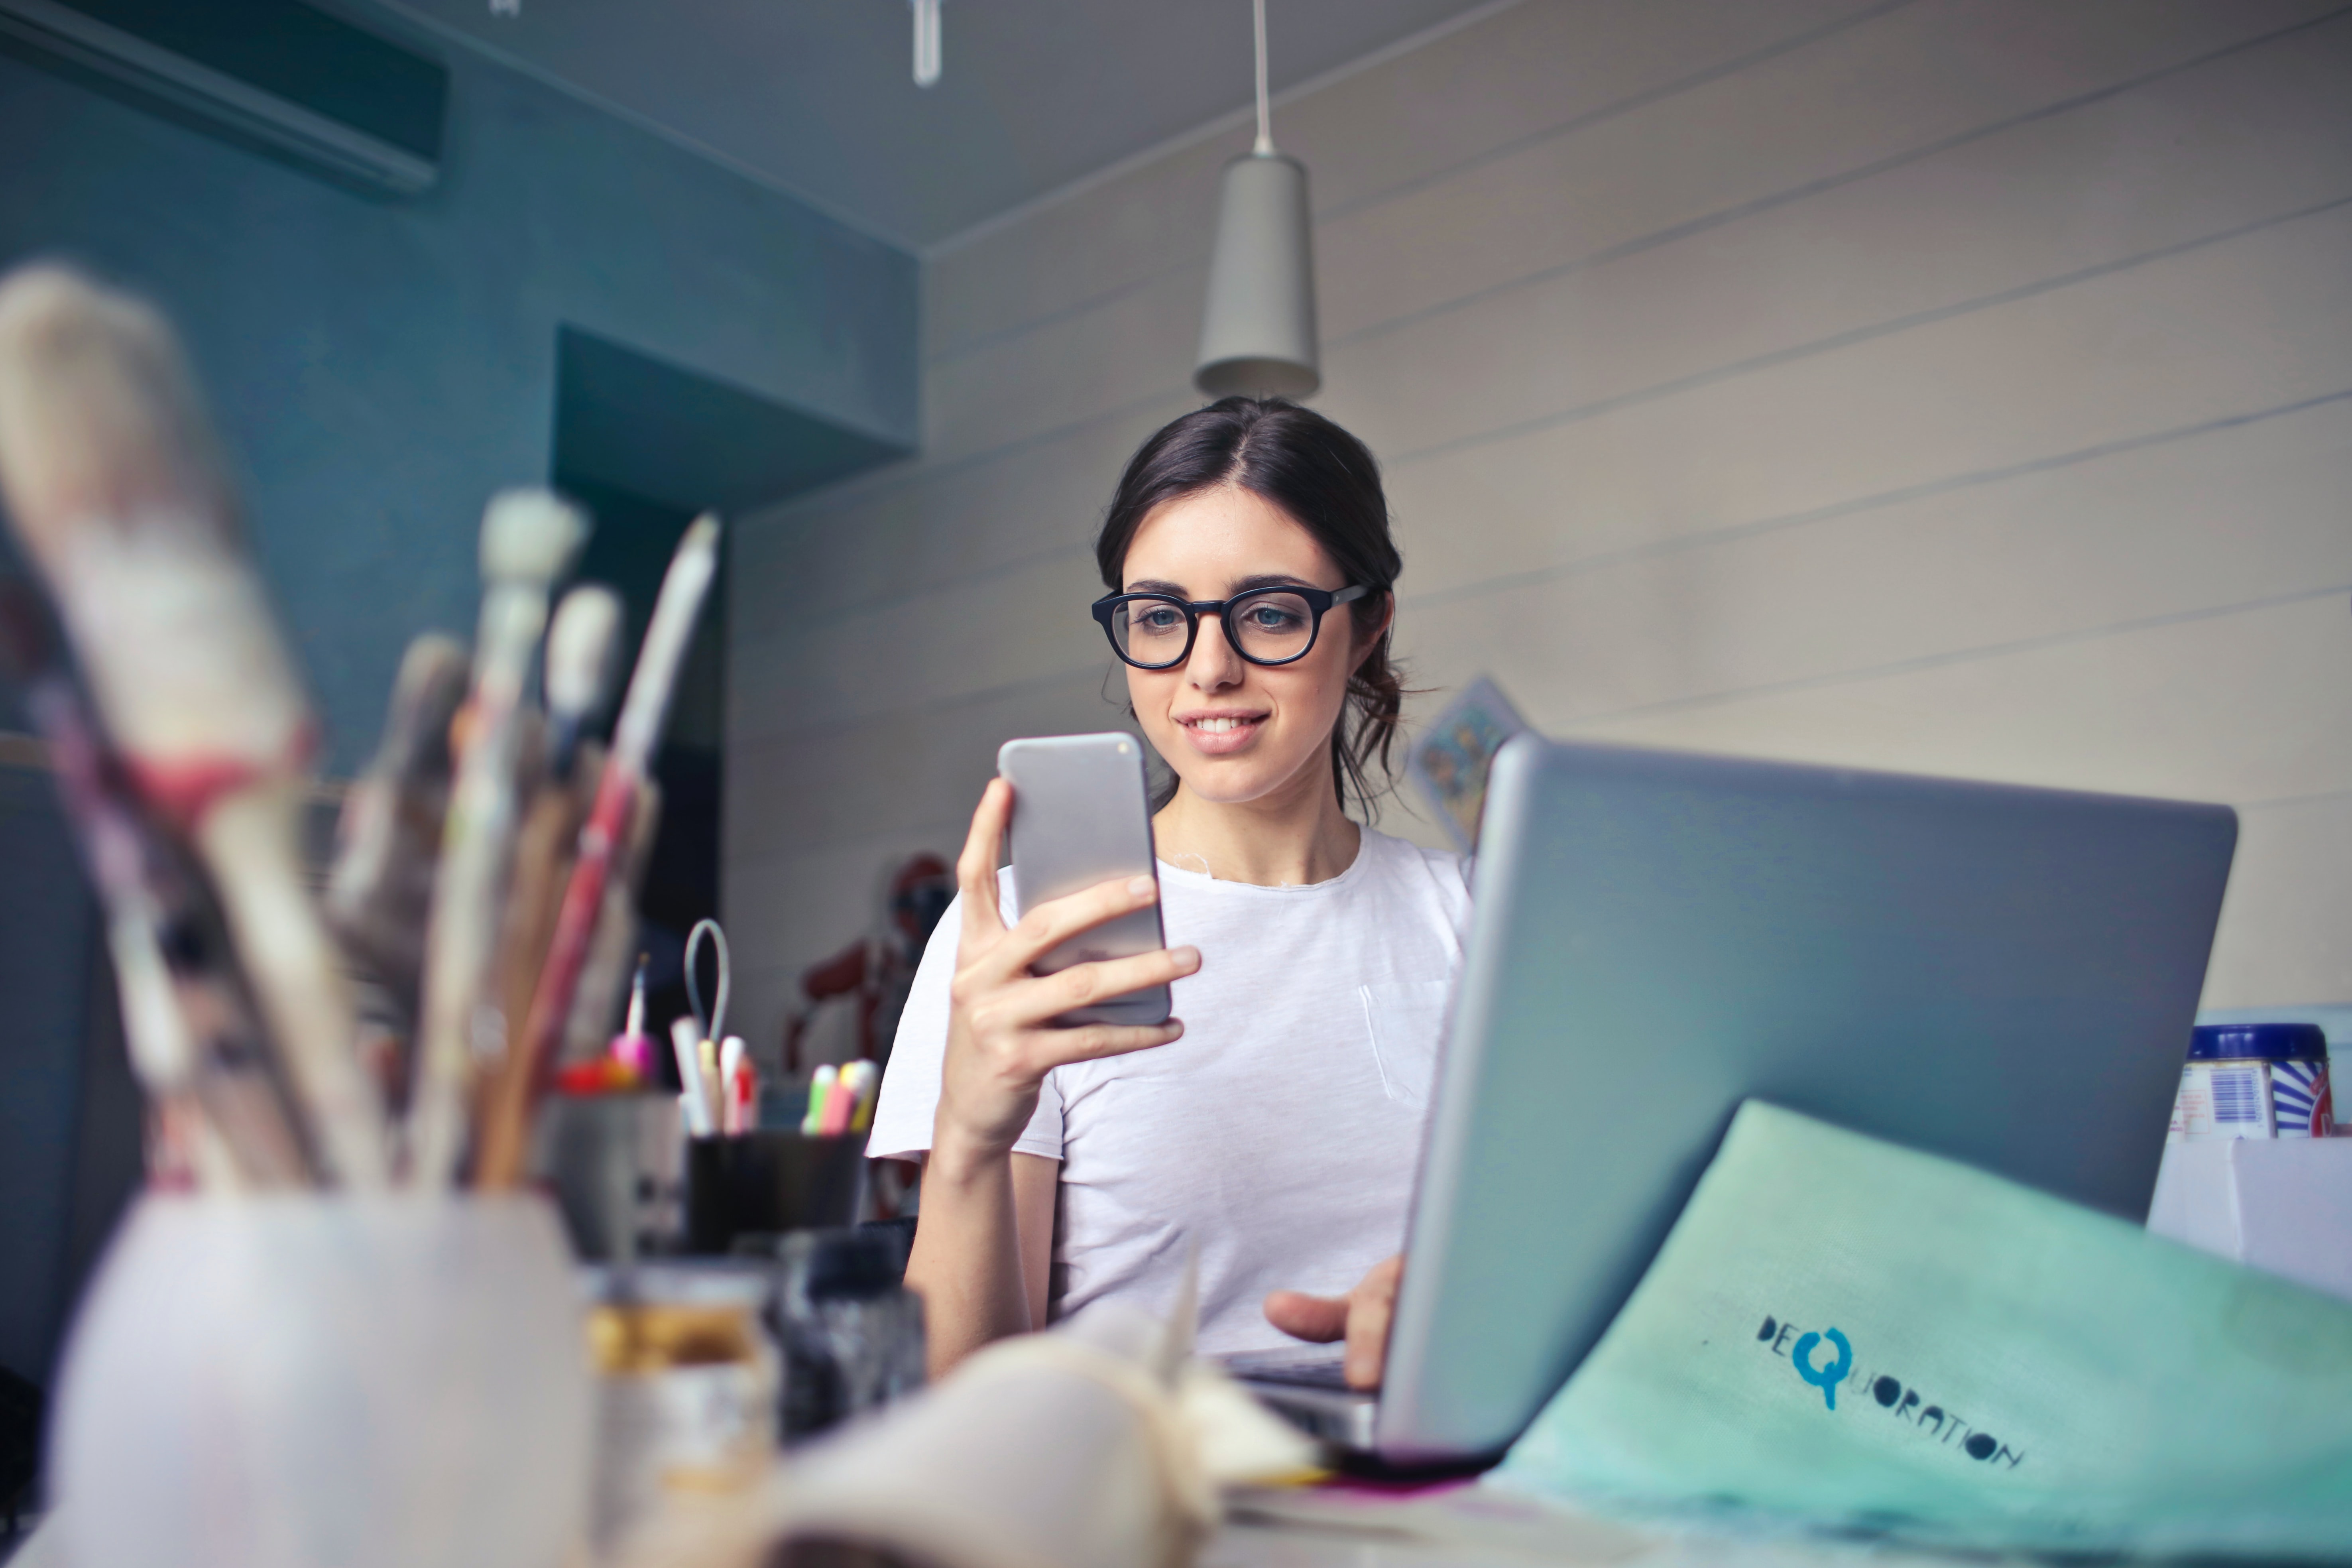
(1361, 1316)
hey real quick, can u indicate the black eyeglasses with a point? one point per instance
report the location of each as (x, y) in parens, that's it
(1265, 625)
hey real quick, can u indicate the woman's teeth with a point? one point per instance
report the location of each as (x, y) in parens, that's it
(1217, 726)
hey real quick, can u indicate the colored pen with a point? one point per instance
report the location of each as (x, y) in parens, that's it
(820, 1091)
(687, 1050)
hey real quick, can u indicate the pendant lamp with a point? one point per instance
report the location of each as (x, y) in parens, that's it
(1257, 333)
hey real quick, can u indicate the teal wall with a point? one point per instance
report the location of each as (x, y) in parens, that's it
(379, 367)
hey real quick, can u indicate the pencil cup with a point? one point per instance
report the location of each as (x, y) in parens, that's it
(285, 1381)
(614, 1163)
(771, 1180)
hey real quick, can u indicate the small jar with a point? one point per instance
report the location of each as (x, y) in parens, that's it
(851, 1332)
(686, 1385)
(2253, 1081)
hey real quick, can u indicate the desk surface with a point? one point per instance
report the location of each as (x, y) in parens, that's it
(1478, 1526)
(1261, 1545)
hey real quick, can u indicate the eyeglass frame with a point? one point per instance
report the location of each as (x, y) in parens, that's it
(1320, 601)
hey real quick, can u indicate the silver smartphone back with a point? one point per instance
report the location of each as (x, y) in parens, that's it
(1082, 815)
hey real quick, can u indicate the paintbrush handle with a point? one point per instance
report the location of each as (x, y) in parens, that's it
(461, 941)
(504, 1135)
(220, 1110)
(499, 1157)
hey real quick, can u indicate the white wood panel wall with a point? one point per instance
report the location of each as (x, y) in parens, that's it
(1951, 386)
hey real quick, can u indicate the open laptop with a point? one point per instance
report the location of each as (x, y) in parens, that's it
(2007, 976)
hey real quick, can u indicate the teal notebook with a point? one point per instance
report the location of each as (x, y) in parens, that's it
(1843, 1334)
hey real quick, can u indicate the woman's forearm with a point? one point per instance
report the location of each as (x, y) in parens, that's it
(968, 1261)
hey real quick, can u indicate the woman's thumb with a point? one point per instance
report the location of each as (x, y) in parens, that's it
(1305, 1317)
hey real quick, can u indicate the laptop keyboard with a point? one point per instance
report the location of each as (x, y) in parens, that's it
(1288, 1367)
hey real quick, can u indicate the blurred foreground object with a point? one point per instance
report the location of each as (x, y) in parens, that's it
(109, 468)
(388, 846)
(686, 1386)
(1096, 1444)
(852, 1333)
(1846, 1334)
(366, 1381)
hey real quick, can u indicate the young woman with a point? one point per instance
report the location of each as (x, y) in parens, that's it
(1274, 1127)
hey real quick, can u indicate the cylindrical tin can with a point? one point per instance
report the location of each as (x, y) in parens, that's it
(2254, 1080)
(686, 1380)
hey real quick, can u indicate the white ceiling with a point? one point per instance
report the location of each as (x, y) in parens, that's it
(817, 96)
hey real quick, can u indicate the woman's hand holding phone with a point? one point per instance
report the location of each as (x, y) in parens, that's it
(1002, 1040)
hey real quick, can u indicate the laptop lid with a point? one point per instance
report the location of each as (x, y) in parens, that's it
(2007, 976)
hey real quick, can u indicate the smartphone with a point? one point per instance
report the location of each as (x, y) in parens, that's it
(1082, 815)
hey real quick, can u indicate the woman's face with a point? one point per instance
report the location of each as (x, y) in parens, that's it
(1233, 731)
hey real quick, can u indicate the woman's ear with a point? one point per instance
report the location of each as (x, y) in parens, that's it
(1372, 639)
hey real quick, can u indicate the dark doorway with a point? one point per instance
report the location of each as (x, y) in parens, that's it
(629, 552)
(644, 445)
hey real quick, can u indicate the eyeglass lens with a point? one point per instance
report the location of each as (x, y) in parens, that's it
(1269, 627)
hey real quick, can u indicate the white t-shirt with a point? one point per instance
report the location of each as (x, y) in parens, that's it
(1280, 1133)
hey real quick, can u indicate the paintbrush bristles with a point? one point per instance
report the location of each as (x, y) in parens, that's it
(529, 536)
(109, 468)
(580, 650)
(98, 416)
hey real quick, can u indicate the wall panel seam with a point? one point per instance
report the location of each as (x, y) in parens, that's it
(806, 515)
(844, 612)
(1984, 653)
(1822, 185)
(1705, 539)
(1836, 341)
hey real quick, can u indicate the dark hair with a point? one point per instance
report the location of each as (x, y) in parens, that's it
(1326, 480)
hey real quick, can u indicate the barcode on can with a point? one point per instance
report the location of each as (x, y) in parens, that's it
(2237, 1096)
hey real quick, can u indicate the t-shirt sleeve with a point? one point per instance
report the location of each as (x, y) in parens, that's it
(910, 1085)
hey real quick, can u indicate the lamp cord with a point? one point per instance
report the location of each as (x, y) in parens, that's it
(1265, 147)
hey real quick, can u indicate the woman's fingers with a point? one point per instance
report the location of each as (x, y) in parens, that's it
(1361, 1316)
(1055, 921)
(1031, 1002)
(1304, 1317)
(983, 921)
(1371, 1305)
(1089, 1042)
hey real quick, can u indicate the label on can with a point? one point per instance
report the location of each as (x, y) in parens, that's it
(2301, 1101)
(2249, 1097)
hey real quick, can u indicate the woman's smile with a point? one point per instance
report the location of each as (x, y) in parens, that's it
(1221, 732)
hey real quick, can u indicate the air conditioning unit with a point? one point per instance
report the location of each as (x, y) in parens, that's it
(277, 75)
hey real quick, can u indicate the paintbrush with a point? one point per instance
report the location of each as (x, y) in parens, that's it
(579, 659)
(380, 891)
(582, 641)
(528, 537)
(634, 736)
(603, 970)
(578, 663)
(220, 1110)
(108, 469)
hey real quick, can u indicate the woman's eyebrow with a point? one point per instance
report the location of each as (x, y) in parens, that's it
(1264, 580)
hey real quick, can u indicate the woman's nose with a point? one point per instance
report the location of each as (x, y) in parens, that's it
(1213, 665)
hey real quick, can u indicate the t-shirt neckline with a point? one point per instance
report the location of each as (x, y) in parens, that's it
(1186, 876)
